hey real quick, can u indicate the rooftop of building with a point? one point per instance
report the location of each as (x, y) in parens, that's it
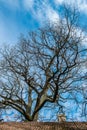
(43, 126)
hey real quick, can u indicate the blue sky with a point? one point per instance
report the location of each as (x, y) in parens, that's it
(21, 16)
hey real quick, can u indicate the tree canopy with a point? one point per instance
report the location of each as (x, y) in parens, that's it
(43, 67)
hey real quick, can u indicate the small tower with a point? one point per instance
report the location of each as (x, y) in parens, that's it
(61, 118)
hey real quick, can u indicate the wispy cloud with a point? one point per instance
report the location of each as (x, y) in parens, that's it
(81, 4)
(28, 4)
(41, 10)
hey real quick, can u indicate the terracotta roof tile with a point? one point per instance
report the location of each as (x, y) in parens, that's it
(43, 126)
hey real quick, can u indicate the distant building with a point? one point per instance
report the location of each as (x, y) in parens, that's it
(61, 118)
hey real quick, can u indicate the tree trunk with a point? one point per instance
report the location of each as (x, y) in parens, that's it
(36, 116)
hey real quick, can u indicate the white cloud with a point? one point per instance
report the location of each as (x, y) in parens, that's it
(44, 12)
(59, 1)
(81, 4)
(28, 4)
(52, 15)
(41, 11)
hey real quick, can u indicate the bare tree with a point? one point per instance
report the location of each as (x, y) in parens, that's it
(43, 67)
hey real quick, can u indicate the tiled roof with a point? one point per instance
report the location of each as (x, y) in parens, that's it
(43, 126)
